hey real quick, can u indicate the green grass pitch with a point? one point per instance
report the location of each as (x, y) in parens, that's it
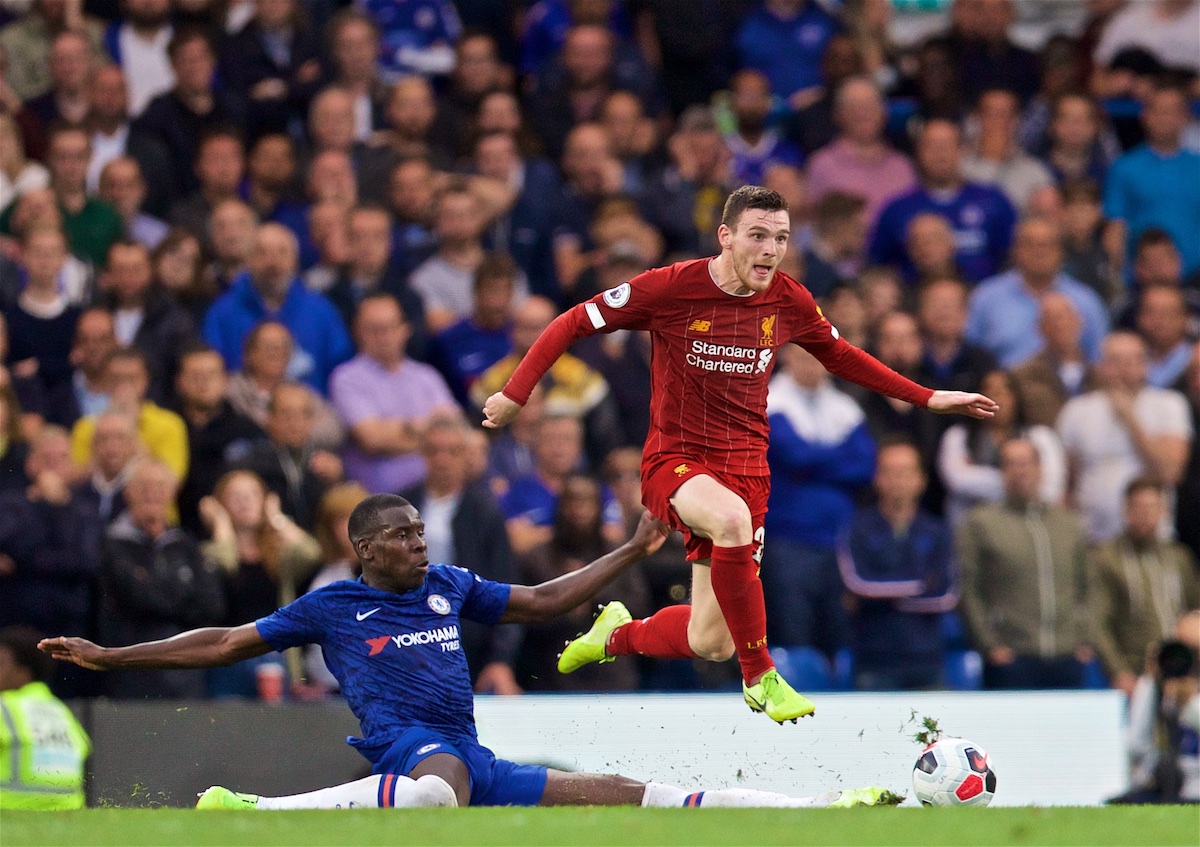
(565, 826)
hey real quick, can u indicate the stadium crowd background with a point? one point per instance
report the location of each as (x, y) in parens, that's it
(260, 258)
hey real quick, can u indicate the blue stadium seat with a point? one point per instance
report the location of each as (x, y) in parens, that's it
(1094, 677)
(806, 668)
(963, 670)
(843, 670)
(954, 636)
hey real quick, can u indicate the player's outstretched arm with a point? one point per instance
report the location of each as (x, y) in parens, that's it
(962, 403)
(528, 604)
(200, 648)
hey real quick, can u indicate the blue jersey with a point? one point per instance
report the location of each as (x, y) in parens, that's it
(397, 657)
(788, 52)
(410, 25)
(980, 216)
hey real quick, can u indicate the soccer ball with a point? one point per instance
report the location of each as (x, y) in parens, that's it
(954, 772)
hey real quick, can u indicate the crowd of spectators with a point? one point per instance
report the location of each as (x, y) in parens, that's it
(259, 258)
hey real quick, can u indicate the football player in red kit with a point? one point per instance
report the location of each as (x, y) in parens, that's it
(716, 324)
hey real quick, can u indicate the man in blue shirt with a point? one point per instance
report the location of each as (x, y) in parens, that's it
(785, 40)
(1157, 184)
(980, 215)
(1003, 313)
(417, 36)
(392, 640)
(270, 290)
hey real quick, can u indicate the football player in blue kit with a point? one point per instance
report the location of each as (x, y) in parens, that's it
(391, 638)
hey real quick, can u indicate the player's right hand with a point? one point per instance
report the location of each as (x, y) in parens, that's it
(499, 411)
(80, 651)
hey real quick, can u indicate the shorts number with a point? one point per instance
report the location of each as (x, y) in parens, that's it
(760, 540)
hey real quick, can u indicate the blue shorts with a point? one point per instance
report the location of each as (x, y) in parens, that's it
(494, 782)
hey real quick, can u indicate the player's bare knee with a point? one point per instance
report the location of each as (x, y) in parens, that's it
(712, 647)
(731, 525)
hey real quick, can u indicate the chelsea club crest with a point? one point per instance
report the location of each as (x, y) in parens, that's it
(439, 604)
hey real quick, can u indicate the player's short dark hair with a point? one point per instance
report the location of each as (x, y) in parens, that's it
(751, 197)
(1154, 237)
(1140, 484)
(366, 519)
(21, 643)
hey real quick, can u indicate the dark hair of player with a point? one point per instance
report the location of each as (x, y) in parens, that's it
(366, 519)
(21, 643)
(751, 197)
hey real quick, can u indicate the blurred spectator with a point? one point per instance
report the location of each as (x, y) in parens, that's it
(113, 137)
(577, 536)
(1164, 28)
(478, 70)
(274, 64)
(524, 231)
(464, 350)
(1077, 145)
(95, 340)
(1025, 596)
(1162, 321)
(949, 361)
(632, 137)
(813, 124)
(122, 187)
(1003, 310)
(996, 158)
(217, 433)
(412, 200)
(1140, 586)
(385, 400)
(127, 379)
(623, 360)
(929, 246)
(178, 118)
(328, 227)
(1157, 263)
(270, 178)
(138, 43)
(821, 455)
(220, 166)
(1187, 518)
(784, 40)
(287, 460)
(754, 146)
(937, 84)
(591, 174)
(71, 62)
(1151, 185)
(179, 266)
(41, 323)
(144, 315)
(969, 455)
(18, 174)
(417, 36)
(531, 501)
(263, 559)
(330, 125)
(860, 161)
(546, 23)
(987, 58)
(1121, 431)
(464, 524)
(49, 543)
(42, 739)
(1060, 371)
(510, 455)
(981, 217)
(1084, 256)
(883, 293)
(338, 562)
(371, 269)
(897, 563)
(230, 229)
(115, 451)
(839, 241)
(156, 583)
(271, 289)
(13, 449)
(354, 47)
(572, 387)
(267, 354)
(1063, 72)
(411, 112)
(26, 42)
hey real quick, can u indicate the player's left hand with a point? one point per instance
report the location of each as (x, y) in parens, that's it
(499, 411)
(650, 534)
(77, 650)
(962, 403)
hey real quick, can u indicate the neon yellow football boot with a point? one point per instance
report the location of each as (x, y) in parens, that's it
(222, 798)
(589, 647)
(865, 797)
(772, 696)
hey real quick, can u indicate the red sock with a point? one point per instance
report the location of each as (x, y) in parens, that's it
(739, 593)
(663, 635)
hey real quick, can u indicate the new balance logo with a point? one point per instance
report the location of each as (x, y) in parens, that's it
(362, 616)
(699, 326)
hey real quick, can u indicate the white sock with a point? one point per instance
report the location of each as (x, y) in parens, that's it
(372, 792)
(658, 794)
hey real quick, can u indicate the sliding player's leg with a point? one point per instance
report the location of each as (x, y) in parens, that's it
(376, 791)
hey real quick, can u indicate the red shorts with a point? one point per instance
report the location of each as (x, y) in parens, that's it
(663, 474)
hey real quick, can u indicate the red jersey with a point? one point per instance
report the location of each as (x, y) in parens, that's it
(712, 354)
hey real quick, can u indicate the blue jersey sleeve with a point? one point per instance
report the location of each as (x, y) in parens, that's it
(483, 601)
(297, 623)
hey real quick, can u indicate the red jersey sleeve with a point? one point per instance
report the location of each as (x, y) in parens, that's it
(631, 305)
(841, 358)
